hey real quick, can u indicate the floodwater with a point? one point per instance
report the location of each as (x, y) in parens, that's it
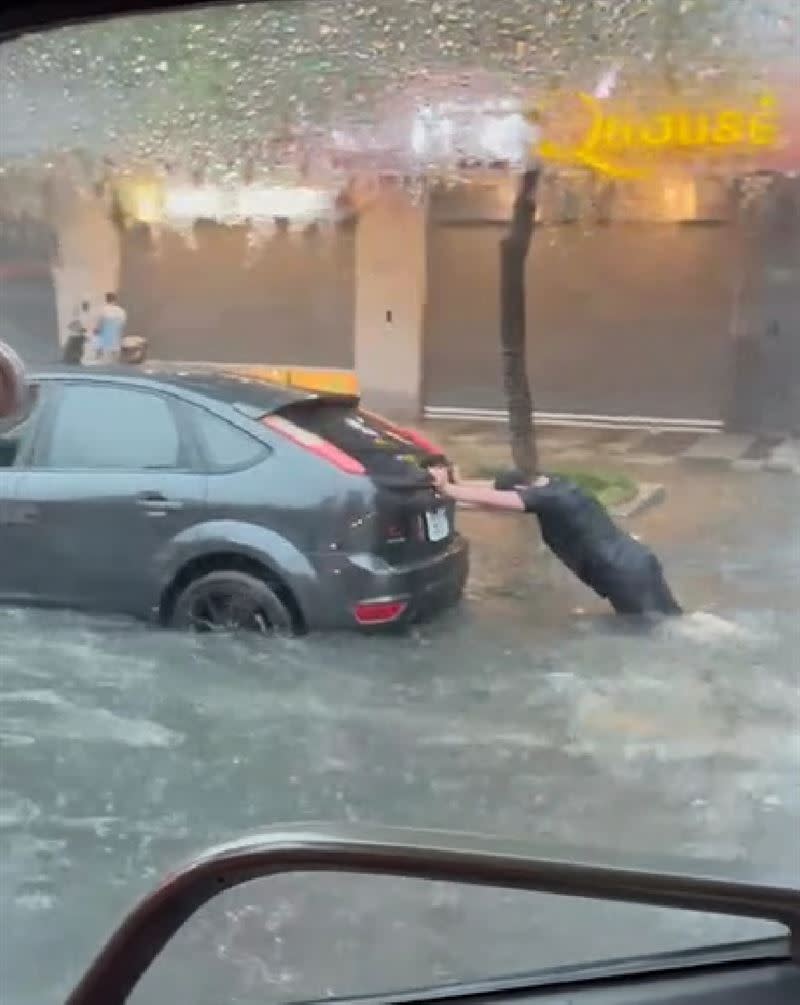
(125, 749)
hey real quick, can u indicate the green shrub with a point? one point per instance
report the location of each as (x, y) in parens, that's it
(610, 488)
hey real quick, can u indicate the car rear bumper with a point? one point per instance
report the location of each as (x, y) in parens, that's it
(425, 587)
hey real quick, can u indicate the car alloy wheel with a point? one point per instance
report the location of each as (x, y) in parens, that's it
(232, 602)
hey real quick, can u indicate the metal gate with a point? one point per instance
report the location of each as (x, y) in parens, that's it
(218, 298)
(28, 318)
(628, 321)
(767, 397)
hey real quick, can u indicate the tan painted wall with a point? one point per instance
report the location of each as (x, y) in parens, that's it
(390, 303)
(287, 301)
(89, 251)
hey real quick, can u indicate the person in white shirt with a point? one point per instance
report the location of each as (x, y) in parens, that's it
(110, 329)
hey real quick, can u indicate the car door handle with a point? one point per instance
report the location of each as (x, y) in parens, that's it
(18, 514)
(28, 515)
(155, 502)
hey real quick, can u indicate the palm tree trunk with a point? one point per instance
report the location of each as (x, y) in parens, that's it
(514, 249)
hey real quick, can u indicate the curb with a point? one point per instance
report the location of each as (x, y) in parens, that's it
(650, 494)
(711, 450)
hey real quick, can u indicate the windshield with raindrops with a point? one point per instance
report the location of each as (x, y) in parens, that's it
(409, 433)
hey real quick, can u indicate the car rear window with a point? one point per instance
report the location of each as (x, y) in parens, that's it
(377, 444)
(360, 434)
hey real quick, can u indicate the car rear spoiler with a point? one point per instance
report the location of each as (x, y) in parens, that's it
(431, 855)
(300, 399)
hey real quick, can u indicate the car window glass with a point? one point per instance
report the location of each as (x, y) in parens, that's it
(223, 444)
(350, 429)
(382, 448)
(356, 432)
(108, 427)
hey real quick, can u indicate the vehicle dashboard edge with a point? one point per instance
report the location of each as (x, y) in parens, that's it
(432, 855)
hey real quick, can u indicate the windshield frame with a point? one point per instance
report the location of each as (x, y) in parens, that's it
(414, 854)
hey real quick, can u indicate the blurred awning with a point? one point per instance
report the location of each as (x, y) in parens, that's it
(473, 125)
(438, 124)
(425, 102)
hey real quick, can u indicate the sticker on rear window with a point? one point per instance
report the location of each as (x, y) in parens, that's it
(357, 423)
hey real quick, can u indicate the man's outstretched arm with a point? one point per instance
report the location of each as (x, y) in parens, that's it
(477, 495)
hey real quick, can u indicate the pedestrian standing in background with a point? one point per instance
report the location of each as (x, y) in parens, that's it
(77, 332)
(110, 329)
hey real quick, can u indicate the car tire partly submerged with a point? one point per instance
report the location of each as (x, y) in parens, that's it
(231, 601)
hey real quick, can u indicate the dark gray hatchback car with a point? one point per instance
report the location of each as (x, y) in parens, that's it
(206, 500)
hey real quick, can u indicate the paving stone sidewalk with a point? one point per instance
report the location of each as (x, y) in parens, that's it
(483, 445)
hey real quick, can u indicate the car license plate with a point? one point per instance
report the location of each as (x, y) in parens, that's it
(437, 523)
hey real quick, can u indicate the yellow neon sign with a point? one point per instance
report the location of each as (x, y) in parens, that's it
(616, 144)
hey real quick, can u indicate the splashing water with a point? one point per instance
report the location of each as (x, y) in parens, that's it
(706, 628)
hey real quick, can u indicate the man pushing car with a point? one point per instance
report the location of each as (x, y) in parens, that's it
(579, 531)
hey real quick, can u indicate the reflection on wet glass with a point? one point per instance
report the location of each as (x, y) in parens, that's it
(220, 89)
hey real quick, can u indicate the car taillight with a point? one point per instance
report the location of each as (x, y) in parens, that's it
(379, 612)
(323, 449)
(410, 435)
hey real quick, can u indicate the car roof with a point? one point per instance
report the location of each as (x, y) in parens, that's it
(250, 393)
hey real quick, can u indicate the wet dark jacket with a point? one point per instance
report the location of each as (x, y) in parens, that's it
(579, 531)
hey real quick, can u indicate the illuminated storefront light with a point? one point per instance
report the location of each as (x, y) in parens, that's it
(679, 199)
(184, 203)
(303, 205)
(141, 199)
(608, 138)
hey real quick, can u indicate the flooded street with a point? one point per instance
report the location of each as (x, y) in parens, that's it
(528, 713)
(566, 232)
